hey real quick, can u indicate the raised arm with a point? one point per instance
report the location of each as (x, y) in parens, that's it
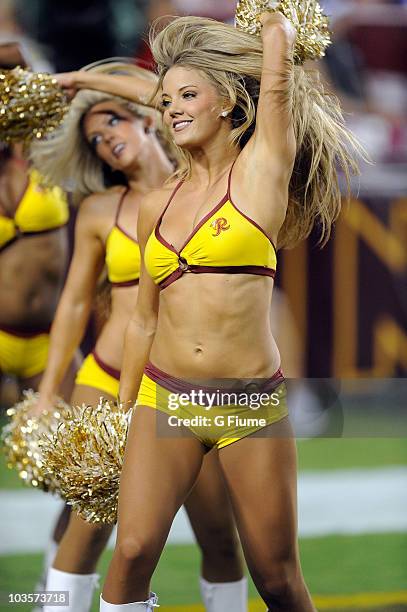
(274, 134)
(142, 326)
(75, 305)
(135, 87)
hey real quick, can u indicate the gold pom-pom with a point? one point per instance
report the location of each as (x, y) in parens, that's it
(86, 457)
(22, 441)
(312, 26)
(31, 105)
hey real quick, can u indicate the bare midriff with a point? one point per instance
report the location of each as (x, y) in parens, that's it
(32, 272)
(110, 342)
(216, 326)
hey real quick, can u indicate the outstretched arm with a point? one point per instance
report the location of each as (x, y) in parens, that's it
(135, 87)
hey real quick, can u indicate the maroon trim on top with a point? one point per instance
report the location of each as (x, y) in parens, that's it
(194, 231)
(163, 241)
(129, 283)
(255, 225)
(177, 385)
(105, 367)
(116, 221)
(160, 218)
(255, 270)
(21, 234)
(157, 233)
(171, 278)
(244, 215)
(123, 231)
(204, 220)
(32, 333)
(200, 224)
(120, 204)
(9, 243)
(230, 179)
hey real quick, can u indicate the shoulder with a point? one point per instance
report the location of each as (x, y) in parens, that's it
(99, 202)
(153, 204)
(97, 211)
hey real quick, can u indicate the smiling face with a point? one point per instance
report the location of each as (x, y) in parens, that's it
(116, 136)
(192, 106)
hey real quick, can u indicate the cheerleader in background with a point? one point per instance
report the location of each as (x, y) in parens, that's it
(33, 261)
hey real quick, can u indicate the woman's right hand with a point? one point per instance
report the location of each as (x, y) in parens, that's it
(69, 82)
(44, 403)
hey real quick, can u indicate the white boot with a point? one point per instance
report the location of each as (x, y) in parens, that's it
(221, 596)
(79, 586)
(137, 606)
(49, 556)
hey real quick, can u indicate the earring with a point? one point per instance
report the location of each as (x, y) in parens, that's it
(224, 113)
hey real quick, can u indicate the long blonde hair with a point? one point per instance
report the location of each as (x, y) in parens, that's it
(233, 61)
(65, 158)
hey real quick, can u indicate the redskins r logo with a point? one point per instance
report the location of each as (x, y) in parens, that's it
(220, 225)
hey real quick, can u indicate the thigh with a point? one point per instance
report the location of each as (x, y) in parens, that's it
(82, 531)
(158, 473)
(261, 475)
(208, 505)
(81, 546)
(62, 523)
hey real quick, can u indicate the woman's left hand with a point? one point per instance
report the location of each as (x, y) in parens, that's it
(270, 21)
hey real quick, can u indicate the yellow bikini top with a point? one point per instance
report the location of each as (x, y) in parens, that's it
(123, 259)
(225, 241)
(41, 209)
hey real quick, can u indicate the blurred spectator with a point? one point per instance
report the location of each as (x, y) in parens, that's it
(12, 34)
(367, 65)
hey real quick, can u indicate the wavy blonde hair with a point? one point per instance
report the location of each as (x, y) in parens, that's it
(232, 60)
(65, 158)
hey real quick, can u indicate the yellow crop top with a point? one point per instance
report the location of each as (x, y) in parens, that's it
(226, 241)
(123, 259)
(41, 209)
